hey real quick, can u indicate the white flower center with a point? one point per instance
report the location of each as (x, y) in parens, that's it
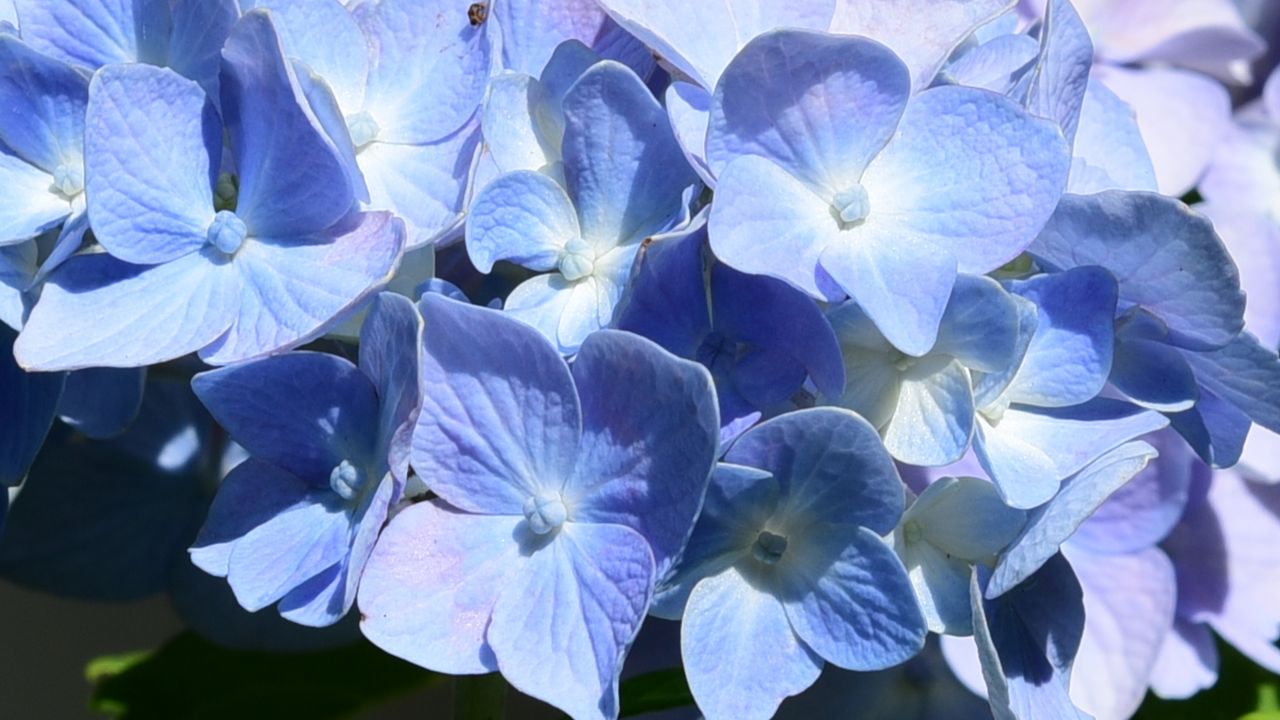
(851, 206)
(68, 180)
(578, 260)
(363, 128)
(227, 232)
(545, 513)
(346, 480)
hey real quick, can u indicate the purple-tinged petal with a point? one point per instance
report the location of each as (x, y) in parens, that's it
(432, 582)
(1109, 153)
(533, 30)
(1188, 662)
(650, 437)
(502, 420)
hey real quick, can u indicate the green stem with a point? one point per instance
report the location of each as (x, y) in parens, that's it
(479, 697)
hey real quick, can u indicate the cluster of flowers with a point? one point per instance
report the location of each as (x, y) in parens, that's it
(837, 324)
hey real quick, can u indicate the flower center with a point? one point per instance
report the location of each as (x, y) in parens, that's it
(226, 192)
(769, 547)
(545, 513)
(578, 260)
(718, 353)
(68, 180)
(346, 480)
(227, 232)
(851, 206)
(363, 128)
(994, 412)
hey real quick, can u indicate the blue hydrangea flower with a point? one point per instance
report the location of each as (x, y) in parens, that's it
(396, 84)
(889, 202)
(185, 35)
(561, 497)
(189, 265)
(786, 567)
(953, 525)
(924, 406)
(1042, 420)
(759, 337)
(41, 147)
(625, 180)
(328, 444)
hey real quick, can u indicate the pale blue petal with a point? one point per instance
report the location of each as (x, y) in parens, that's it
(830, 467)
(200, 28)
(322, 103)
(17, 271)
(30, 404)
(740, 501)
(45, 105)
(152, 150)
(700, 39)
(533, 30)
(1051, 524)
(322, 34)
(1167, 258)
(252, 493)
(988, 387)
(994, 65)
(941, 586)
(543, 301)
(902, 283)
(292, 179)
(765, 222)
(689, 107)
(934, 415)
(818, 106)
(305, 412)
(980, 325)
(1143, 511)
(429, 68)
(965, 518)
(390, 341)
(1129, 602)
(848, 598)
(96, 311)
(732, 629)
(29, 207)
(1062, 73)
(295, 289)
(970, 173)
(1022, 471)
(1244, 374)
(923, 35)
(650, 438)
(623, 168)
(425, 185)
(431, 583)
(519, 123)
(563, 623)
(1070, 355)
(502, 419)
(524, 217)
(1109, 153)
(94, 33)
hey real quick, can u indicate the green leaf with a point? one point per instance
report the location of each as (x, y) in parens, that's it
(651, 692)
(192, 679)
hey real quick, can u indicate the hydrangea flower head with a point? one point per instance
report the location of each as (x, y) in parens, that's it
(786, 568)
(562, 496)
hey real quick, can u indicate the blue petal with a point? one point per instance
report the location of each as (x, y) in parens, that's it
(94, 33)
(45, 101)
(517, 123)
(1214, 428)
(1109, 152)
(153, 147)
(689, 108)
(1062, 72)
(820, 107)
(1070, 355)
(563, 624)
(934, 415)
(428, 74)
(848, 598)
(321, 102)
(950, 176)
(296, 288)
(994, 65)
(292, 179)
(740, 654)
(740, 500)
(96, 311)
(1167, 258)
(431, 583)
(830, 467)
(668, 300)
(1027, 642)
(980, 325)
(524, 217)
(30, 208)
(102, 402)
(390, 342)
(200, 28)
(1244, 374)
(324, 35)
(533, 30)
(30, 403)
(305, 412)
(1051, 524)
(650, 438)
(624, 169)
(502, 420)
(1154, 375)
